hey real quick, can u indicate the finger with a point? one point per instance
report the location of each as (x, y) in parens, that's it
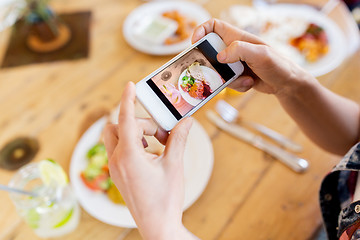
(144, 142)
(243, 51)
(226, 31)
(242, 84)
(248, 71)
(110, 139)
(127, 128)
(127, 104)
(150, 128)
(175, 145)
(162, 136)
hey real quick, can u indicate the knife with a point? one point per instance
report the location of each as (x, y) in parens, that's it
(295, 163)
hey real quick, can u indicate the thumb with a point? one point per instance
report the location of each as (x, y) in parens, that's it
(175, 145)
(244, 51)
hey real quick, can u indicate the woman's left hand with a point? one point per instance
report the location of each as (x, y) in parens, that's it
(151, 185)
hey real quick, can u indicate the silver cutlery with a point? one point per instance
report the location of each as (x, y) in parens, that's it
(231, 114)
(295, 163)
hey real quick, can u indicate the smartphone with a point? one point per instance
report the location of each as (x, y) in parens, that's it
(185, 83)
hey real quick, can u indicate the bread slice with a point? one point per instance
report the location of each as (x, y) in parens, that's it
(196, 72)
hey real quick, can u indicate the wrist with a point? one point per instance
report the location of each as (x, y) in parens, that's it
(168, 231)
(298, 84)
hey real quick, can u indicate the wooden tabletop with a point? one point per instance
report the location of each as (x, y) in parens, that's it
(250, 195)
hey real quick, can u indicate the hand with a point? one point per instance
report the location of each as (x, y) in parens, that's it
(151, 185)
(271, 72)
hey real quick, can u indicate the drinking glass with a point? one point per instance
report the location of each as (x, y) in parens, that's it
(54, 210)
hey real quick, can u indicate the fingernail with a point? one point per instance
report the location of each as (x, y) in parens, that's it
(221, 56)
(130, 84)
(199, 33)
(189, 122)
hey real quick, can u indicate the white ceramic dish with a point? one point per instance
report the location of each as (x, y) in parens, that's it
(198, 164)
(189, 9)
(212, 77)
(337, 44)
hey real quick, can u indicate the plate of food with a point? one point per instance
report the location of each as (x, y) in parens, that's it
(197, 82)
(299, 32)
(98, 195)
(164, 27)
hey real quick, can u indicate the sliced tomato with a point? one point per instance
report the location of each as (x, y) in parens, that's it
(105, 168)
(94, 184)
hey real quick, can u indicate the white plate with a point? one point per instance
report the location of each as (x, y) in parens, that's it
(338, 49)
(198, 164)
(337, 44)
(189, 9)
(212, 77)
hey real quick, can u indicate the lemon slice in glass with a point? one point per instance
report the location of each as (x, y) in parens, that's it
(51, 172)
(66, 218)
(33, 217)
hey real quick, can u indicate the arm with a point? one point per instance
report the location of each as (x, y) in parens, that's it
(151, 185)
(330, 120)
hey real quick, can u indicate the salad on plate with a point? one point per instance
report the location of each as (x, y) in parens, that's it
(194, 82)
(96, 175)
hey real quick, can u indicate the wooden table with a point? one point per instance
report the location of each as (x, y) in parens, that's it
(249, 196)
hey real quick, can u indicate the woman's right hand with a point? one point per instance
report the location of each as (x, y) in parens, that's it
(328, 119)
(271, 72)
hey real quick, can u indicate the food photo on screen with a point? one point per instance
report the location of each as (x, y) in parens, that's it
(188, 81)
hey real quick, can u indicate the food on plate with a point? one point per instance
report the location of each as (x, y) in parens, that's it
(194, 82)
(114, 195)
(313, 43)
(96, 174)
(294, 36)
(155, 29)
(184, 29)
(168, 28)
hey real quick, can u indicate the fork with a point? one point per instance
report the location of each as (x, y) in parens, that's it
(230, 114)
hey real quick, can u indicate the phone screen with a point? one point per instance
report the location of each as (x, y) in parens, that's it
(191, 79)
